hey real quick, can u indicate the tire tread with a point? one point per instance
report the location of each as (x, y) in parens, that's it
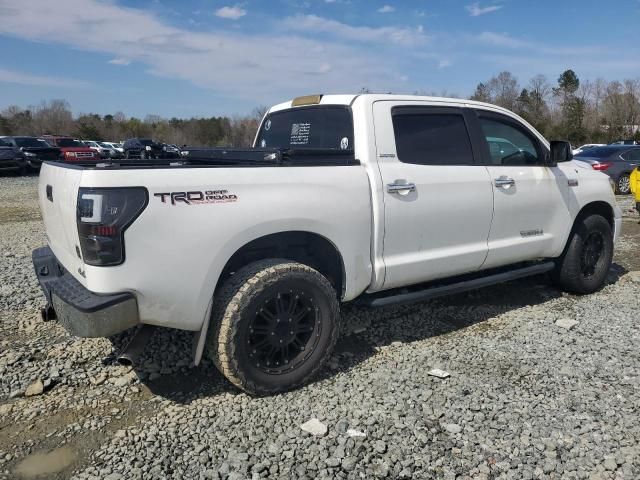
(233, 297)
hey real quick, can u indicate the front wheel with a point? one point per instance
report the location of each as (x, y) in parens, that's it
(273, 325)
(584, 265)
(623, 185)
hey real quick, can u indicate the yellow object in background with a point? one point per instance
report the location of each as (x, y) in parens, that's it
(635, 186)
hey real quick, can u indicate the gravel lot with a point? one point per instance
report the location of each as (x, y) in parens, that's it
(542, 385)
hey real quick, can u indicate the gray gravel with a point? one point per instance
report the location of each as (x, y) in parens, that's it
(541, 385)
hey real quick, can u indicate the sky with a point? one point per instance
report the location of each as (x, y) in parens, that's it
(183, 58)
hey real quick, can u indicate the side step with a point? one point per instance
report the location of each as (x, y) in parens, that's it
(440, 290)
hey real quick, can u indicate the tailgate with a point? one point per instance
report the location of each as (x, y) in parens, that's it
(58, 196)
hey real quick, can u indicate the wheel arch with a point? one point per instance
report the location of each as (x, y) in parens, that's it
(306, 247)
(597, 207)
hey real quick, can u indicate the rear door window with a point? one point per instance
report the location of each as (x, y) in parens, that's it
(632, 155)
(318, 127)
(425, 138)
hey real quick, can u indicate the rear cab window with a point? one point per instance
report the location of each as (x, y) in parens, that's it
(318, 127)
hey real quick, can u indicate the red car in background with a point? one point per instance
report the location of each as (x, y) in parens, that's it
(72, 150)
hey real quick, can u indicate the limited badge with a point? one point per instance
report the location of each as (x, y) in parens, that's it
(267, 125)
(344, 143)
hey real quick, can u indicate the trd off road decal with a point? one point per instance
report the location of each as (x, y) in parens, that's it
(197, 197)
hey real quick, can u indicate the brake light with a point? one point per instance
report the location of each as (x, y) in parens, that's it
(103, 215)
(601, 166)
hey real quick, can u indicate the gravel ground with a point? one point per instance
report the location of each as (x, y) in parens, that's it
(541, 385)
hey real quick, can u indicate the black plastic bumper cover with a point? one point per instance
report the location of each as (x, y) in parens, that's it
(81, 312)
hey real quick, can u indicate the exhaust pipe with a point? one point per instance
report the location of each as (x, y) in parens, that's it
(48, 313)
(130, 354)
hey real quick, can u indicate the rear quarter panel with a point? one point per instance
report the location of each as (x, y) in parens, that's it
(175, 253)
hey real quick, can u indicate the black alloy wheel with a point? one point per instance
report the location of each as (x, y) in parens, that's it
(592, 249)
(273, 325)
(284, 331)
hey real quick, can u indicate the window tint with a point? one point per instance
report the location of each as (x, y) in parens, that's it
(4, 144)
(632, 155)
(432, 139)
(509, 145)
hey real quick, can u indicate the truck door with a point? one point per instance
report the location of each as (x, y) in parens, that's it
(438, 203)
(531, 214)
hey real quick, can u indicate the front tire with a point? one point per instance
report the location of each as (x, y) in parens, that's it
(623, 185)
(273, 325)
(584, 265)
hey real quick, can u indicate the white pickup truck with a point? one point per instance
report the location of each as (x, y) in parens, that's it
(384, 198)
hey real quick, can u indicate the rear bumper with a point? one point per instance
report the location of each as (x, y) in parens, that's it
(81, 312)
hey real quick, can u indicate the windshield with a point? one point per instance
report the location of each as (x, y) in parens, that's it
(146, 141)
(599, 152)
(68, 142)
(323, 127)
(29, 142)
(4, 144)
(104, 145)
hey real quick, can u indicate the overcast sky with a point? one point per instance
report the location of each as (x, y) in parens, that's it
(208, 57)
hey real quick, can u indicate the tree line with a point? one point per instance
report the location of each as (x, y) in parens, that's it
(55, 117)
(598, 111)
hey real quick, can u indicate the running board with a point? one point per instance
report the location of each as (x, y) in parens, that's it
(430, 293)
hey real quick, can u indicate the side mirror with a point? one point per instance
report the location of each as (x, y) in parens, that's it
(560, 152)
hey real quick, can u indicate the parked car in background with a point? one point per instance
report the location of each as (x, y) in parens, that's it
(146, 148)
(172, 149)
(624, 142)
(72, 150)
(586, 146)
(104, 152)
(11, 159)
(34, 150)
(114, 146)
(617, 161)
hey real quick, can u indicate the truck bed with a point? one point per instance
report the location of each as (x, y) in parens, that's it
(175, 251)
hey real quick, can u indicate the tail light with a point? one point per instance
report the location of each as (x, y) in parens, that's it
(103, 215)
(601, 167)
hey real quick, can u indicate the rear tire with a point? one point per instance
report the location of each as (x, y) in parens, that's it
(273, 325)
(623, 184)
(584, 265)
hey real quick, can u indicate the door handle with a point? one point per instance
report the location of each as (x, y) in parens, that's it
(401, 187)
(504, 181)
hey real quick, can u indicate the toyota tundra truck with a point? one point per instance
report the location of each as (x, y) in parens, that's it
(379, 199)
